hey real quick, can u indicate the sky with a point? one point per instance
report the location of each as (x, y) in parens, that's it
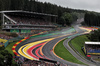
(91, 5)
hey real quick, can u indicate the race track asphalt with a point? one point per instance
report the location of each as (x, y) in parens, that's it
(47, 48)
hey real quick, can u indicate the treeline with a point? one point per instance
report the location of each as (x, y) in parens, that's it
(36, 6)
(92, 19)
(94, 35)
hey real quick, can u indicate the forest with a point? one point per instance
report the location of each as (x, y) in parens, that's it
(92, 19)
(65, 15)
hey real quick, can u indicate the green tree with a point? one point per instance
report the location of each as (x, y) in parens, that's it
(1, 60)
(5, 58)
(74, 16)
(92, 19)
(36, 6)
(67, 18)
(94, 35)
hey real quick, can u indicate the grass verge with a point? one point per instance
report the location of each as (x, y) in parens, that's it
(62, 52)
(9, 47)
(78, 43)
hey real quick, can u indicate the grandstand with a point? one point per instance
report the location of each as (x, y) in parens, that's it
(26, 22)
(42, 62)
(37, 63)
(5, 36)
(92, 48)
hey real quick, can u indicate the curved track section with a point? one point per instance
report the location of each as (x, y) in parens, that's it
(35, 50)
(45, 50)
(52, 56)
(42, 47)
(27, 49)
(13, 48)
(48, 53)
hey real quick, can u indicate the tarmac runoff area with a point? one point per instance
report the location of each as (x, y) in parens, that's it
(25, 48)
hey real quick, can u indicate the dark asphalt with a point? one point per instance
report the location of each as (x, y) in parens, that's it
(49, 46)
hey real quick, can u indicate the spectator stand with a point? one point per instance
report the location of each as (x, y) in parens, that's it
(20, 21)
(92, 50)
